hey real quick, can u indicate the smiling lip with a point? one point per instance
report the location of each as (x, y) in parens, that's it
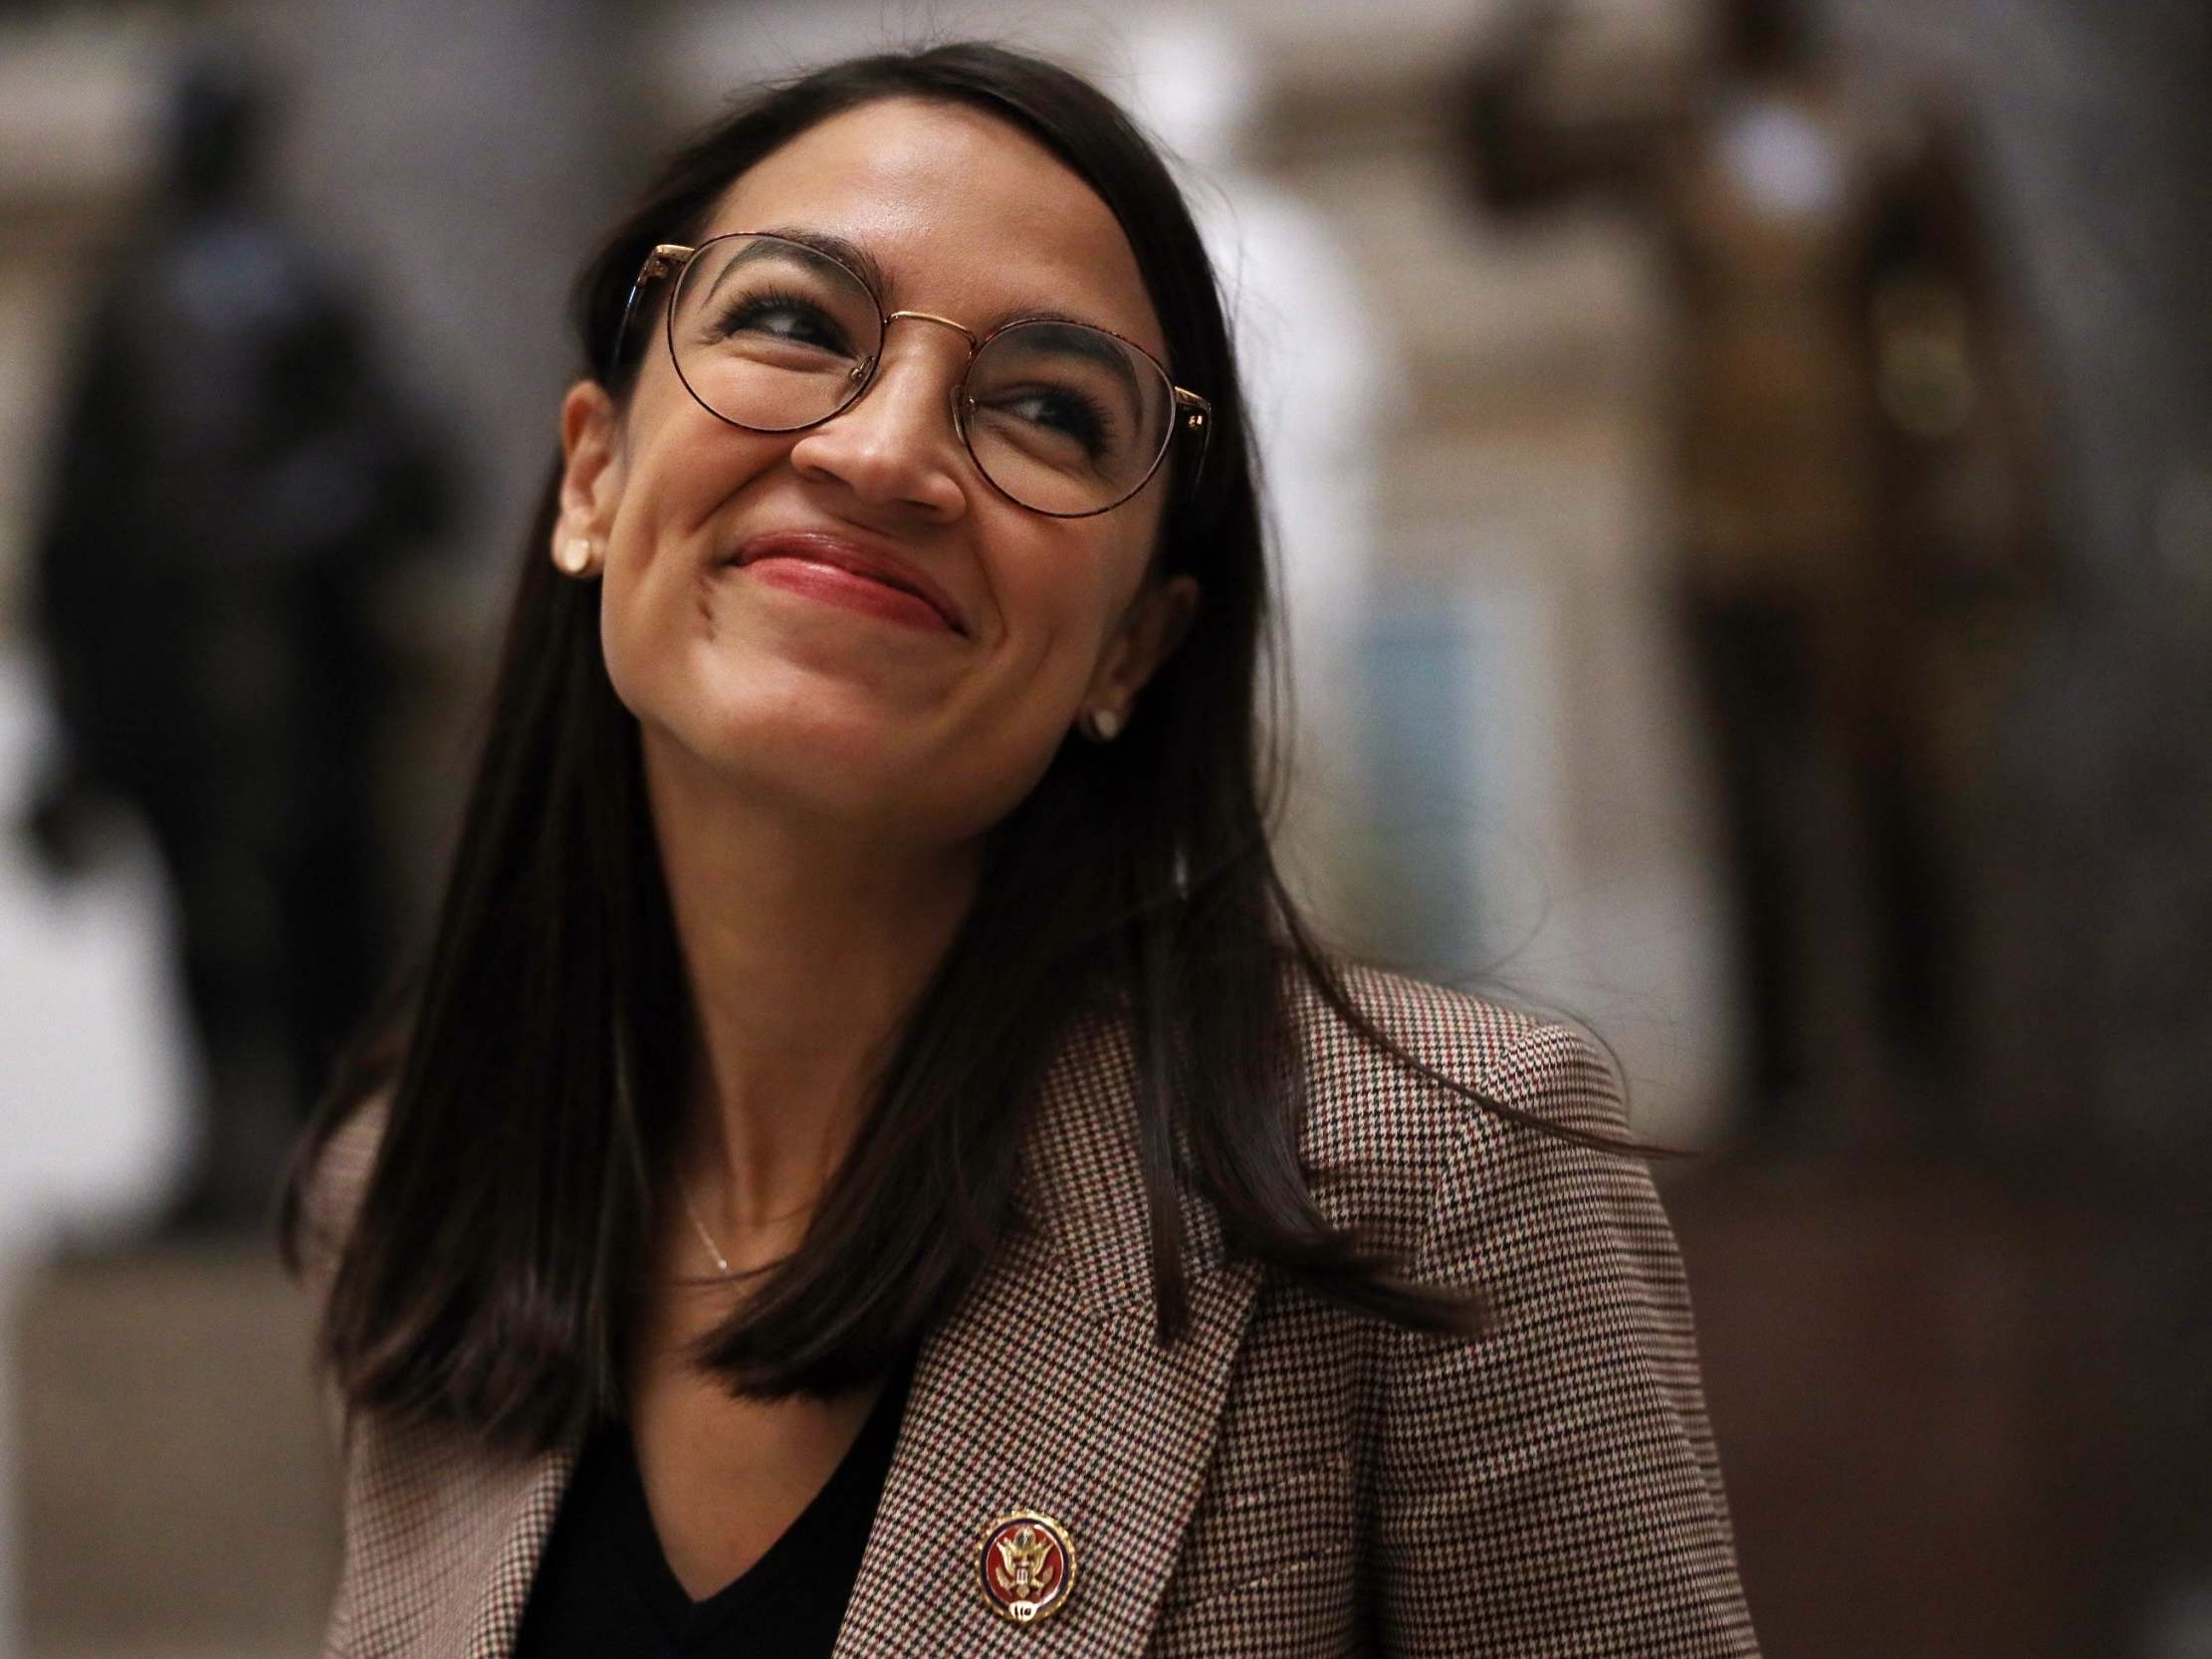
(830, 568)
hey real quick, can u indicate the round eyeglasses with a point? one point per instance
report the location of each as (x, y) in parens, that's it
(774, 335)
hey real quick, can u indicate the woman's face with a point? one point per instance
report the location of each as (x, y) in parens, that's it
(733, 627)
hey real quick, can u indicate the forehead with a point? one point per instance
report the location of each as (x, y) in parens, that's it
(964, 214)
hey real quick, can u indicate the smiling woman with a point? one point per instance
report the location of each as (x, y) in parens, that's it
(873, 1158)
(739, 559)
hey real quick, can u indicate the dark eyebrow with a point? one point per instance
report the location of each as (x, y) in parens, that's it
(1084, 340)
(862, 264)
(850, 255)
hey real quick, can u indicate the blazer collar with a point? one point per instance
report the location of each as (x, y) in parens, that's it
(1046, 1390)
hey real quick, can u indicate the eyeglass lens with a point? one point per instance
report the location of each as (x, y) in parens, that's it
(772, 335)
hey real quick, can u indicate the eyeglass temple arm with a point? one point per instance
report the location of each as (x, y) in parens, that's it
(666, 258)
(1197, 416)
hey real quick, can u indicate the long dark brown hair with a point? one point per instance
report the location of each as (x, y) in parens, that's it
(532, 1064)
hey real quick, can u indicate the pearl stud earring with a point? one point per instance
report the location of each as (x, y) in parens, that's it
(1105, 724)
(575, 556)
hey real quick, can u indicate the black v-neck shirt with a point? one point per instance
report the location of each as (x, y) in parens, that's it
(604, 1587)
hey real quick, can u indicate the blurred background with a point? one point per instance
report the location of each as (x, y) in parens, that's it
(1743, 472)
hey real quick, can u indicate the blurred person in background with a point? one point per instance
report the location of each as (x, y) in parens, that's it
(1859, 524)
(236, 480)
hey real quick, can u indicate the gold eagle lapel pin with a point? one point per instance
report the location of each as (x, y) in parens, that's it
(1027, 1566)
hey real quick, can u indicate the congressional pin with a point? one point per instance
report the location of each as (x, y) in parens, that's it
(1027, 1564)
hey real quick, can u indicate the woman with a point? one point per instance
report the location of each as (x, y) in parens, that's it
(874, 1159)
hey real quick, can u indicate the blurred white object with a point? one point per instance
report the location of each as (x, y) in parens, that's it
(96, 1070)
(1314, 365)
(1788, 164)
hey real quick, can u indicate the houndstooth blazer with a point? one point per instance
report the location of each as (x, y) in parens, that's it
(1289, 1482)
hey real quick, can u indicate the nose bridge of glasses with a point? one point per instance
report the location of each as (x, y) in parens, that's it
(973, 341)
(867, 374)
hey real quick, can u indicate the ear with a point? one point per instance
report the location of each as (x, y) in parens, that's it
(1149, 631)
(591, 464)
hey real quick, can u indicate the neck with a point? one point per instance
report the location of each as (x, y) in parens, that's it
(806, 944)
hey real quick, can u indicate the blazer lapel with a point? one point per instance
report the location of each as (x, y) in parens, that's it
(1047, 1391)
(497, 1618)
(443, 1540)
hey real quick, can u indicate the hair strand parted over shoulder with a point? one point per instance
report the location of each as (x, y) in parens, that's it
(531, 1068)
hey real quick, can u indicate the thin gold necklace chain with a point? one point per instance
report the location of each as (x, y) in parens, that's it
(722, 1261)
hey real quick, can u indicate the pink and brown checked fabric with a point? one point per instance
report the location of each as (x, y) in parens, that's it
(1289, 1482)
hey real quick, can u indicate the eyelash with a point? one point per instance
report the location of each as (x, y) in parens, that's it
(1101, 422)
(770, 300)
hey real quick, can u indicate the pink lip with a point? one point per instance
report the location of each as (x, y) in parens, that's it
(830, 568)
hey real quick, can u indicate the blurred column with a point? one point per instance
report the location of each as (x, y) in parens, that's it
(466, 153)
(1535, 814)
(2097, 1019)
(455, 158)
(2098, 132)
(1317, 364)
(92, 1053)
(460, 154)
(93, 1060)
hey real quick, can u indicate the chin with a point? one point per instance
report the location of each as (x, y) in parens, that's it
(825, 758)
(841, 748)
(818, 755)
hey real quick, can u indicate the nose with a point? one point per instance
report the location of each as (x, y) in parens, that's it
(895, 446)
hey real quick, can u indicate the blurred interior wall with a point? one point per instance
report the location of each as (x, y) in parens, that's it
(2096, 129)
(464, 154)
(460, 156)
(2095, 998)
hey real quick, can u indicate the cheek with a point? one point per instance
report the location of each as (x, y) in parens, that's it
(1002, 718)
(662, 543)
(1061, 603)
(627, 630)
(1066, 597)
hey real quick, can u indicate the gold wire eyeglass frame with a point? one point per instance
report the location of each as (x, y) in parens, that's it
(1193, 413)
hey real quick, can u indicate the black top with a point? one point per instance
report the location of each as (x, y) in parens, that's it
(604, 1585)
